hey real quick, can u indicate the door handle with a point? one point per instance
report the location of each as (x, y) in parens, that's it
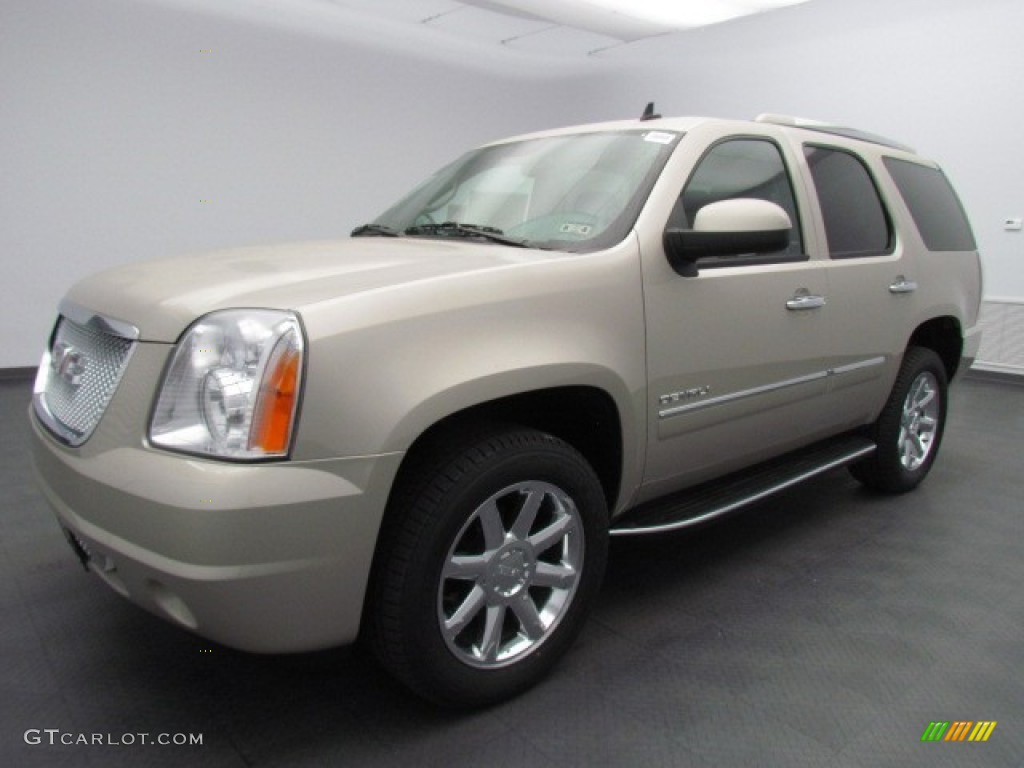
(902, 285)
(805, 301)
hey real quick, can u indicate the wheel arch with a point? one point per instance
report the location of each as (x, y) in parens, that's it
(586, 417)
(944, 336)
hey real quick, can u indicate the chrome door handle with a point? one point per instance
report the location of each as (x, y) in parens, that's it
(805, 301)
(902, 285)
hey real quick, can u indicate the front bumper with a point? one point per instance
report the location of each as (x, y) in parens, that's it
(266, 558)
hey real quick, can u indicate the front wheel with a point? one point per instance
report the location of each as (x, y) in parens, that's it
(491, 561)
(909, 429)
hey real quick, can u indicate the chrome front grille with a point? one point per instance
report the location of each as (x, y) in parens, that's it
(80, 371)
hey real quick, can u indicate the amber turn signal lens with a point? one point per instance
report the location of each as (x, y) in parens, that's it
(275, 405)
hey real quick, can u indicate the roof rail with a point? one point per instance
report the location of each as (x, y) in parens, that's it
(835, 130)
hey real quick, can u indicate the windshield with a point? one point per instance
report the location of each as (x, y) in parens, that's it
(580, 192)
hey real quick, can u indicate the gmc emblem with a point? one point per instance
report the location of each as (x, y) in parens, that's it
(68, 363)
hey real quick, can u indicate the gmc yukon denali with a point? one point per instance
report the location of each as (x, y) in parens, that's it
(423, 435)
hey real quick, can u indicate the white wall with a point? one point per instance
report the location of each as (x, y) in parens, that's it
(114, 126)
(944, 76)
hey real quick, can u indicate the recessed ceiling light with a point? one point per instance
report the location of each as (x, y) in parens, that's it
(630, 20)
(689, 13)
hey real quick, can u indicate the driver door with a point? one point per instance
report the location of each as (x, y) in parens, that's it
(735, 354)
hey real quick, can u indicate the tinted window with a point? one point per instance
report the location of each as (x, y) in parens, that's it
(856, 223)
(934, 205)
(740, 168)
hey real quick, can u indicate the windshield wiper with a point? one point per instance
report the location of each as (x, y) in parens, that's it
(371, 230)
(449, 228)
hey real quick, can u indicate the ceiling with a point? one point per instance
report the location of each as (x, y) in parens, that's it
(562, 28)
(537, 33)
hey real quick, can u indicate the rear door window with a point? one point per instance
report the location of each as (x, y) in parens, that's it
(856, 221)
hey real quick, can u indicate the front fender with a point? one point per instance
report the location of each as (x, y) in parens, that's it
(386, 365)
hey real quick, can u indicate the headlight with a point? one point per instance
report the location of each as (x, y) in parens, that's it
(232, 387)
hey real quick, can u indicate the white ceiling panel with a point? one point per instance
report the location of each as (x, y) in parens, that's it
(402, 10)
(563, 41)
(487, 26)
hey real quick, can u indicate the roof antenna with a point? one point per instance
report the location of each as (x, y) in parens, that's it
(649, 112)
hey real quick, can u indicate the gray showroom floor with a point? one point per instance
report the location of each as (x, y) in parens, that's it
(826, 627)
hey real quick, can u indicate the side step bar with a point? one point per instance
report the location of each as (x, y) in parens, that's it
(718, 497)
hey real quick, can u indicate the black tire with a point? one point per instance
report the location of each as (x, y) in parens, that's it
(455, 575)
(909, 429)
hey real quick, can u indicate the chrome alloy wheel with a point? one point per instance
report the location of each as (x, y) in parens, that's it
(919, 421)
(510, 575)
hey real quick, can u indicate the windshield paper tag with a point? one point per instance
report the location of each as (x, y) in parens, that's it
(659, 137)
(575, 229)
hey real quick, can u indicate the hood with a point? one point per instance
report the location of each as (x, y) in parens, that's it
(161, 298)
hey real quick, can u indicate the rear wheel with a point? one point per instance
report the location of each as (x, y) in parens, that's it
(909, 429)
(491, 561)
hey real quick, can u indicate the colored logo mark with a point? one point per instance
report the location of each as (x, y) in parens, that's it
(959, 730)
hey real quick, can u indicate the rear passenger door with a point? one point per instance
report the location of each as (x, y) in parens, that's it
(871, 277)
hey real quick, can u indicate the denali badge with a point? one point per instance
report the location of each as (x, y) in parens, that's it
(685, 394)
(68, 363)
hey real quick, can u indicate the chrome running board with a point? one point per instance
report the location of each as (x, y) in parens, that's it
(719, 497)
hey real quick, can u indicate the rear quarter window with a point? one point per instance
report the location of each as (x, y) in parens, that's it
(933, 204)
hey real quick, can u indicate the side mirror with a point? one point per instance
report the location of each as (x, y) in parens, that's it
(728, 228)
